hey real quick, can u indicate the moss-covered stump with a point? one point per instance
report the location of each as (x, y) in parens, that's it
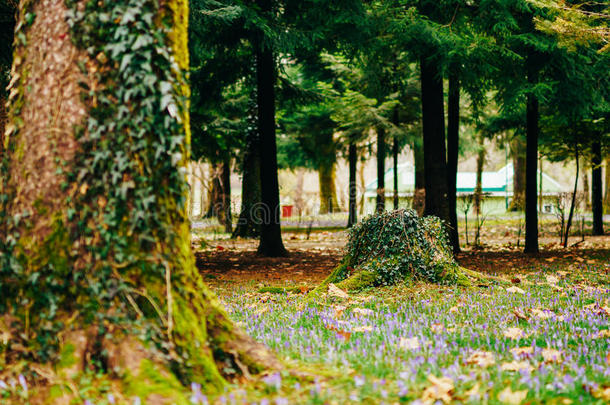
(394, 246)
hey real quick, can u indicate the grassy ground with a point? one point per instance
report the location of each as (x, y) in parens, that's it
(540, 342)
(544, 340)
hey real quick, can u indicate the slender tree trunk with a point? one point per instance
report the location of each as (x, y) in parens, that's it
(271, 244)
(396, 122)
(380, 201)
(202, 190)
(566, 235)
(328, 190)
(453, 143)
(531, 200)
(353, 190)
(435, 156)
(517, 148)
(607, 187)
(248, 224)
(214, 192)
(395, 170)
(224, 213)
(478, 189)
(419, 193)
(586, 189)
(596, 180)
(111, 246)
(362, 187)
(299, 201)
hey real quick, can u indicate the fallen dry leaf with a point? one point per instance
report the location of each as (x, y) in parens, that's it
(514, 333)
(339, 309)
(520, 314)
(363, 312)
(515, 290)
(517, 366)
(341, 333)
(551, 355)
(602, 393)
(525, 351)
(510, 397)
(441, 389)
(542, 313)
(552, 279)
(602, 334)
(409, 343)
(335, 291)
(481, 358)
(437, 328)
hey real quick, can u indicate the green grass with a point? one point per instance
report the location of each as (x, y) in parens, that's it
(386, 343)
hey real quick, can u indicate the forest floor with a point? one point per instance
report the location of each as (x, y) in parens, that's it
(543, 340)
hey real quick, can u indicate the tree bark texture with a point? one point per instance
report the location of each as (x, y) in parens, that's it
(517, 150)
(328, 189)
(596, 189)
(353, 188)
(224, 212)
(214, 191)
(607, 186)
(453, 144)
(435, 156)
(107, 235)
(478, 189)
(419, 193)
(531, 164)
(271, 244)
(586, 187)
(380, 200)
(566, 235)
(248, 224)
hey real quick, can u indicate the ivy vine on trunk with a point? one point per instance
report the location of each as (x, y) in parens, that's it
(95, 236)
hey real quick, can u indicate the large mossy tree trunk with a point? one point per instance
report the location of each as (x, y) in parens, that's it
(248, 224)
(453, 144)
(94, 199)
(435, 156)
(271, 244)
(517, 150)
(596, 188)
(532, 131)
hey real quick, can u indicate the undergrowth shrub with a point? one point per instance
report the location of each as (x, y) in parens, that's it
(393, 246)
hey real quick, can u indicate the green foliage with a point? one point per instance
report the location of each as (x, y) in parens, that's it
(396, 245)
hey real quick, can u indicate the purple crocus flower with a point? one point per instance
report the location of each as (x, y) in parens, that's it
(23, 383)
